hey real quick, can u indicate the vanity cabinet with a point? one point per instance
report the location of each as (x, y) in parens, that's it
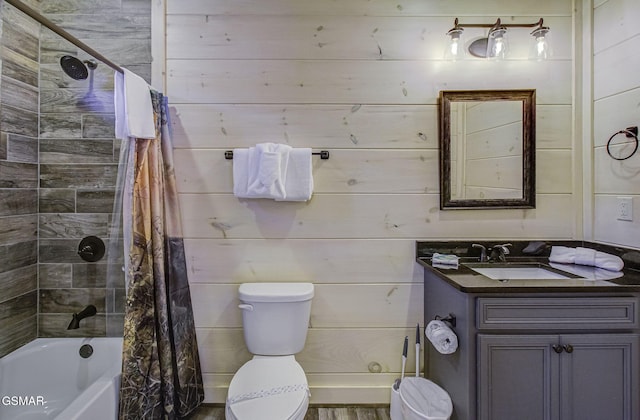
(531, 354)
(572, 376)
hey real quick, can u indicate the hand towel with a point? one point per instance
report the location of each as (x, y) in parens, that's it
(240, 172)
(563, 255)
(585, 256)
(608, 261)
(444, 260)
(268, 164)
(133, 107)
(298, 180)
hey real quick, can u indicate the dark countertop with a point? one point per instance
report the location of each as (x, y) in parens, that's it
(592, 279)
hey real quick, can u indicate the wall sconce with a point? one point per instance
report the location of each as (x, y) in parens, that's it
(494, 45)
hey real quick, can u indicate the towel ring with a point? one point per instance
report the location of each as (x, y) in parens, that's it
(629, 132)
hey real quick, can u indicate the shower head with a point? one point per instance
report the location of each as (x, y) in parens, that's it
(75, 68)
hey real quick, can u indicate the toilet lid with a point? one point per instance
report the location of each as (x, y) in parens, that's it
(268, 388)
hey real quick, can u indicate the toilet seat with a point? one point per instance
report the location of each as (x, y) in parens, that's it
(268, 388)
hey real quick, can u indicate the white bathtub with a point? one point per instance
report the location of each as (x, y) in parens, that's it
(48, 379)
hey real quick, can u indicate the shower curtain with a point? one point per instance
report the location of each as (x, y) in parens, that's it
(161, 375)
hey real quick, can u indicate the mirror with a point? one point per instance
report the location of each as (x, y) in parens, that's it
(487, 148)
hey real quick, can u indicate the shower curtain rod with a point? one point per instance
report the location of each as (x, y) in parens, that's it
(66, 35)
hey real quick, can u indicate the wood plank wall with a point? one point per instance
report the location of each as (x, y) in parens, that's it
(616, 93)
(361, 79)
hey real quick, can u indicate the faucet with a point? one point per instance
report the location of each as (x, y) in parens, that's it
(483, 252)
(85, 313)
(498, 252)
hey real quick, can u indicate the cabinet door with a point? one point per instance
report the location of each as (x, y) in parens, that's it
(518, 377)
(599, 377)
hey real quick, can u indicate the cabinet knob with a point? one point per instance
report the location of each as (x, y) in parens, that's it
(568, 348)
(558, 348)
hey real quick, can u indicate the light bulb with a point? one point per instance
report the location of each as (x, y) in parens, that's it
(455, 46)
(540, 49)
(497, 44)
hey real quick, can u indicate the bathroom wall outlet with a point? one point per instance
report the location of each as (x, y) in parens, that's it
(625, 208)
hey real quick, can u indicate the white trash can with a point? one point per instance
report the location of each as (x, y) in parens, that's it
(424, 400)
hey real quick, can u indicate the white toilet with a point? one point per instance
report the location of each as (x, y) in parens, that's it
(272, 385)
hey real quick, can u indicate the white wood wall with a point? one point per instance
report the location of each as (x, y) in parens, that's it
(361, 79)
(616, 92)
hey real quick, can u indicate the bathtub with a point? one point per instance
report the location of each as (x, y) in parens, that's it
(48, 379)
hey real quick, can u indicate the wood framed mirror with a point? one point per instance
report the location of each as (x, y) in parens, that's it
(487, 148)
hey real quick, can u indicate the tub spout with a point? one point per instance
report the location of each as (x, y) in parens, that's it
(85, 313)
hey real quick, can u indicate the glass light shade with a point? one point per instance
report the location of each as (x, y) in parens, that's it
(454, 49)
(540, 46)
(497, 46)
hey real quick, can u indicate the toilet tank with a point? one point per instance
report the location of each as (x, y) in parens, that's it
(275, 317)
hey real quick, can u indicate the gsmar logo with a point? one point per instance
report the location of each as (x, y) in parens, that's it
(22, 400)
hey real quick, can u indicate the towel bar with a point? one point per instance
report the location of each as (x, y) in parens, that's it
(324, 154)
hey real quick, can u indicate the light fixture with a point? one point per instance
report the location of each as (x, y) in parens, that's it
(540, 49)
(494, 45)
(455, 48)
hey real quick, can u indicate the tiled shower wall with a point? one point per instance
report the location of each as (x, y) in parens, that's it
(79, 158)
(18, 180)
(55, 191)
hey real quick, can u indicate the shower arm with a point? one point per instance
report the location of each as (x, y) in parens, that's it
(66, 35)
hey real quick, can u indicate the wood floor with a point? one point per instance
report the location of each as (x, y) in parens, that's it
(346, 412)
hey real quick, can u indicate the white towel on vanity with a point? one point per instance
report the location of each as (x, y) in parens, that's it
(585, 256)
(133, 107)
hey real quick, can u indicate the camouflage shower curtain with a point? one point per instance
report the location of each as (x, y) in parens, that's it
(161, 376)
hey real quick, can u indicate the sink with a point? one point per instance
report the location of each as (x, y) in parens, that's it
(519, 271)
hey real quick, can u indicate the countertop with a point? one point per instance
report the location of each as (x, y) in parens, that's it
(463, 278)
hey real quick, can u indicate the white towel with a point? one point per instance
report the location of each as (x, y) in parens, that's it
(585, 256)
(275, 171)
(444, 260)
(133, 107)
(298, 185)
(267, 169)
(563, 255)
(240, 172)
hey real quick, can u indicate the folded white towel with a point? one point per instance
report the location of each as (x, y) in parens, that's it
(275, 171)
(267, 170)
(133, 107)
(298, 185)
(585, 256)
(240, 172)
(563, 255)
(444, 260)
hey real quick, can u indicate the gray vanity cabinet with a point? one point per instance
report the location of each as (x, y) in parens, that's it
(534, 355)
(568, 376)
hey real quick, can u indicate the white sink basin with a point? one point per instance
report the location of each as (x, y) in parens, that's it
(520, 272)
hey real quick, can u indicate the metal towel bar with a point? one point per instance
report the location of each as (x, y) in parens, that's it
(324, 154)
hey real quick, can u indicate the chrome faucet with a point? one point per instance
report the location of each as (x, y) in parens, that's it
(483, 252)
(498, 252)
